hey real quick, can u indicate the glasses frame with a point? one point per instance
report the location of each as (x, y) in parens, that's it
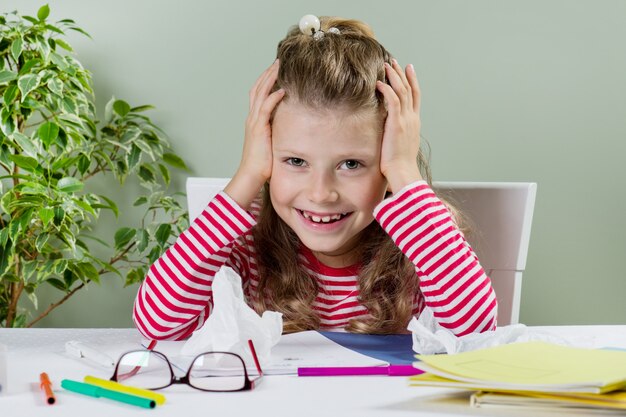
(249, 383)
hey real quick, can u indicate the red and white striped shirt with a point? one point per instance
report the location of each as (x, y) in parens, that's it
(176, 298)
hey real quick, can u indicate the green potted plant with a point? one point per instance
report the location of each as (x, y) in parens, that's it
(52, 147)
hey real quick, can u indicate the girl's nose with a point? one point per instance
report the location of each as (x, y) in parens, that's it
(322, 189)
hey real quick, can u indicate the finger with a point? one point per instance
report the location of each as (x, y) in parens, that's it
(391, 98)
(400, 72)
(270, 104)
(397, 84)
(415, 88)
(263, 90)
(254, 91)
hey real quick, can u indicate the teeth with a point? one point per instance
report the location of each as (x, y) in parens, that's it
(324, 219)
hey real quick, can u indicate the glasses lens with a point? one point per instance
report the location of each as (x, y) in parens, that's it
(144, 369)
(218, 372)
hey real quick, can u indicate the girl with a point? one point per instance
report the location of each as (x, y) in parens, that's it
(347, 234)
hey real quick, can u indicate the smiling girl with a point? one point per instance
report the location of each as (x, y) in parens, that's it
(346, 234)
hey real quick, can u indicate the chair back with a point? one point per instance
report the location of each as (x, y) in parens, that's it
(200, 191)
(500, 217)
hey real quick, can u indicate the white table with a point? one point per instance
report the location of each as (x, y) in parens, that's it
(32, 351)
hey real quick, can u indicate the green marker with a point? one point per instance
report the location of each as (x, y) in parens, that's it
(94, 391)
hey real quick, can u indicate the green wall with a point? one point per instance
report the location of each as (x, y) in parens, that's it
(512, 91)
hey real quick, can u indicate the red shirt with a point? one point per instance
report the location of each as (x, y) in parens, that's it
(176, 298)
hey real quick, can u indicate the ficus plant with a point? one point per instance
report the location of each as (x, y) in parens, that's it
(52, 149)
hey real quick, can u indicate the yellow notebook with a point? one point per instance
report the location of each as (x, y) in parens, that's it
(614, 401)
(531, 366)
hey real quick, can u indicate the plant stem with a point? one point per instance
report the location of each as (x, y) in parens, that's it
(55, 305)
(16, 291)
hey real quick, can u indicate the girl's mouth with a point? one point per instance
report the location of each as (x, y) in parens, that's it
(323, 219)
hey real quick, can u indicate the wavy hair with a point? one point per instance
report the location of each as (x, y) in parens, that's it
(337, 71)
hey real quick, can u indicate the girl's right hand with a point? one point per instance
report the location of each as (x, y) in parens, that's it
(255, 167)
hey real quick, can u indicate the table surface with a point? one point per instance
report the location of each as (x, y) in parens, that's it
(32, 351)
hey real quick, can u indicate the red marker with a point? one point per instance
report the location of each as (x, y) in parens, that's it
(46, 386)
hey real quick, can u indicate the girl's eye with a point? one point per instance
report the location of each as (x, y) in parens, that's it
(295, 162)
(351, 164)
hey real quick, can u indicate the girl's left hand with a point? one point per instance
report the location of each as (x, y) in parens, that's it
(401, 136)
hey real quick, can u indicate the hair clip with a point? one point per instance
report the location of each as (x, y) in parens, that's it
(310, 25)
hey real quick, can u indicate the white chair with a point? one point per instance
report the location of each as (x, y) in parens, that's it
(200, 191)
(500, 215)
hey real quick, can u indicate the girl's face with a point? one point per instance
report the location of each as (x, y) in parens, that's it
(326, 178)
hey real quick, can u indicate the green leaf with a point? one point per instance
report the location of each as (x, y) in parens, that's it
(16, 48)
(56, 86)
(121, 107)
(135, 276)
(69, 277)
(54, 29)
(41, 241)
(43, 12)
(69, 185)
(146, 173)
(46, 214)
(89, 272)
(14, 230)
(59, 215)
(25, 162)
(155, 253)
(141, 108)
(20, 321)
(163, 234)
(143, 238)
(48, 133)
(56, 283)
(77, 29)
(64, 45)
(26, 144)
(10, 94)
(86, 206)
(123, 236)
(112, 206)
(27, 83)
(133, 157)
(31, 19)
(6, 254)
(29, 65)
(140, 201)
(83, 163)
(108, 110)
(69, 105)
(4, 237)
(174, 160)
(8, 122)
(59, 61)
(60, 265)
(165, 173)
(6, 76)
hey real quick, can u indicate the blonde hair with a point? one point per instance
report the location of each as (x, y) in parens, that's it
(339, 70)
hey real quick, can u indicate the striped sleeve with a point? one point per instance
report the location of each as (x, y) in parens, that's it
(176, 297)
(452, 281)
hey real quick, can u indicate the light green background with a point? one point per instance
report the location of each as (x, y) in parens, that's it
(512, 91)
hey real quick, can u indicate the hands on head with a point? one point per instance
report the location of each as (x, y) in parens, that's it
(255, 167)
(401, 137)
(400, 143)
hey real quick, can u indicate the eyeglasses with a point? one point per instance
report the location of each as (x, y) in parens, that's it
(209, 371)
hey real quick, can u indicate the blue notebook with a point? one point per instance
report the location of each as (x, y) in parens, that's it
(397, 349)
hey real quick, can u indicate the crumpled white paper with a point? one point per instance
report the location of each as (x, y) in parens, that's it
(429, 337)
(233, 322)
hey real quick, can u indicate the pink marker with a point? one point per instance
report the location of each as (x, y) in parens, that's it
(390, 370)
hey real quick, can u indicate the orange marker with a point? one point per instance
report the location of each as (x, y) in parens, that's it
(46, 386)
